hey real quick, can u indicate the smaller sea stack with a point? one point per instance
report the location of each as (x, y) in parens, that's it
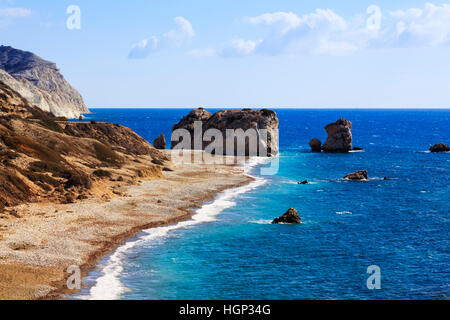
(160, 142)
(440, 147)
(290, 217)
(360, 175)
(316, 145)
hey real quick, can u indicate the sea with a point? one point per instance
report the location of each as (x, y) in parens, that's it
(378, 239)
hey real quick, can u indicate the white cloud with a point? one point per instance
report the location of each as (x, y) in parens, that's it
(15, 12)
(320, 32)
(314, 33)
(235, 48)
(238, 48)
(429, 26)
(324, 19)
(286, 20)
(176, 38)
(326, 32)
(8, 15)
(144, 48)
(183, 33)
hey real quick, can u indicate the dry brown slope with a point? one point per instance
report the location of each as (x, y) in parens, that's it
(40, 160)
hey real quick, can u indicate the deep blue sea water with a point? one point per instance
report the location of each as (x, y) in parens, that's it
(401, 225)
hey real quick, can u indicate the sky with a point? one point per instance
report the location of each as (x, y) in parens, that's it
(234, 53)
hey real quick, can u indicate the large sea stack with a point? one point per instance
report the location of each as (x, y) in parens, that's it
(339, 137)
(40, 83)
(234, 119)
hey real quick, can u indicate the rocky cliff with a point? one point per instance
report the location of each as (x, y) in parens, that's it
(40, 82)
(235, 119)
(11, 103)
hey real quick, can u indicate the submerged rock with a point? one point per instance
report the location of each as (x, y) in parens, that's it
(316, 145)
(160, 142)
(339, 137)
(440, 147)
(290, 217)
(358, 175)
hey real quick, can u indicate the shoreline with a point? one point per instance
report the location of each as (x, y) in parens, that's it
(35, 254)
(113, 261)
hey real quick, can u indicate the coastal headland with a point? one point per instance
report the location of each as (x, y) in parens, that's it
(42, 240)
(71, 192)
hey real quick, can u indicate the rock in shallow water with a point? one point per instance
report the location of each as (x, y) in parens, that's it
(160, 142)
(358, 175)
(290, 217)
(440, 147)
(316, 145)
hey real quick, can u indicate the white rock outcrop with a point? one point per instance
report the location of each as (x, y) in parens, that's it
(40, 82)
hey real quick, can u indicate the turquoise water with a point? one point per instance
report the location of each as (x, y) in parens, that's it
(401, 225)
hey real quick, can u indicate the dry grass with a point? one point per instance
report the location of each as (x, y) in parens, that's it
(107, 155)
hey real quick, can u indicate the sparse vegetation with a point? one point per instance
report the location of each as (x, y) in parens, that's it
(42, 178)
(48, 158)
(30, 148)
(52, 125)
(39, 159)
(102, 173)
(79, 180)
(13, 189)
(107, 155)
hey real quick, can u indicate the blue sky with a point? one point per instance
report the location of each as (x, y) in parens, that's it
(285, 53)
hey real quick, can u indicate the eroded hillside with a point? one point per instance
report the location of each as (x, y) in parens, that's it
(48, 159)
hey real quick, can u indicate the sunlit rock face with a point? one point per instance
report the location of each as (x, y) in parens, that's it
(234, 119)
(40, 82)
(340, 138)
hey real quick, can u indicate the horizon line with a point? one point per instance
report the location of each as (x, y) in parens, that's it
(267, 107)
